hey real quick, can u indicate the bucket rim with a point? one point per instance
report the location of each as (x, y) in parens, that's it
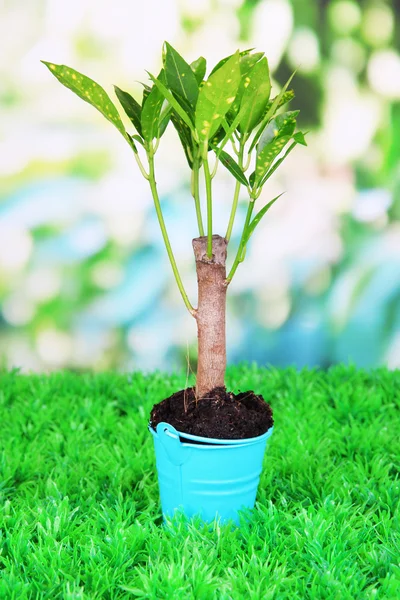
(216, 441)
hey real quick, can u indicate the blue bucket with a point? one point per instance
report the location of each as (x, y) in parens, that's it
(207, 477)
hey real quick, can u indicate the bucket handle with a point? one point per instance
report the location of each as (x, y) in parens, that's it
(169, 438)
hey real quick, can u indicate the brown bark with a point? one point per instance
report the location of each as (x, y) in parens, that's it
(210, 314)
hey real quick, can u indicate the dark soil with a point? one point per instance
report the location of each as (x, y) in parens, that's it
(220, 415)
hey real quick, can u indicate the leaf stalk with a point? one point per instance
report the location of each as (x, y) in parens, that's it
(196, 195)
(207, 177)
(241, 249)
(153, 187)
(236, 193)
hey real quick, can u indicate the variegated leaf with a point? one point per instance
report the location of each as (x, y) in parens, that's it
(216, 96)
(282, 125)
(90, 91)
(224, 60)
(146, 93)
(253, 224)
(255, 96)
(131, 107)
(180, 77)
(151, 114)
(185, 137)
(285, 98)
(247, 62)
(165, 117)
(167, 94)
(300, 138)
(199, 68)
(232, 166)
(268, 154)
(270, 112)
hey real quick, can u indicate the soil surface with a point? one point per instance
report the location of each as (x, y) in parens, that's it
(220, 414)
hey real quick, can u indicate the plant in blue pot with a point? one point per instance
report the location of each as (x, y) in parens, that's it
(209, 442)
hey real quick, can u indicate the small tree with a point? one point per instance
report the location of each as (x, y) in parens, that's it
(233, 106)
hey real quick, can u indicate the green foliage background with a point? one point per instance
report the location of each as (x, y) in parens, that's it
(84, 280)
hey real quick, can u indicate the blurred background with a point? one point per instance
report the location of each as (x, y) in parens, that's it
(84, 278)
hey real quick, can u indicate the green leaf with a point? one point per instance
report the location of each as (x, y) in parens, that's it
(180, 77)
(216, 138)
(138, 139)
(220, 87)
(287, 97)
(173, 102)
(206, 125)
(253, 224)
(268, 154)
(233, 167)
(247, 62)
(185, 137)
(132, 142)
(300, 138)
(270, 112)
(255, 96)
(188, 108)
(224, 60)
(131, 107)
(216, 96)
(90, 91)
(164, 119)
(146, 93)
(151, 113)
(277, 164)
(229, 132)
(199, 68)
(282, 125)
(286, 122)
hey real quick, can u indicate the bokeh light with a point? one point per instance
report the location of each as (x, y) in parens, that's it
(84, 278)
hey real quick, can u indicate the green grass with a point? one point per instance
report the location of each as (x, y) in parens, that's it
(79, 511)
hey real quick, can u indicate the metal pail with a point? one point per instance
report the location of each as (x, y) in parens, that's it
(205, 476)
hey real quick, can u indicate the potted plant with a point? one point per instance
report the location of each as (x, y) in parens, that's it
(209, 442)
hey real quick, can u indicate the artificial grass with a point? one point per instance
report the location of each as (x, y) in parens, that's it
(79, 510)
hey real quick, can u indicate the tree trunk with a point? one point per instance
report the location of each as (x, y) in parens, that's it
(210, 314)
